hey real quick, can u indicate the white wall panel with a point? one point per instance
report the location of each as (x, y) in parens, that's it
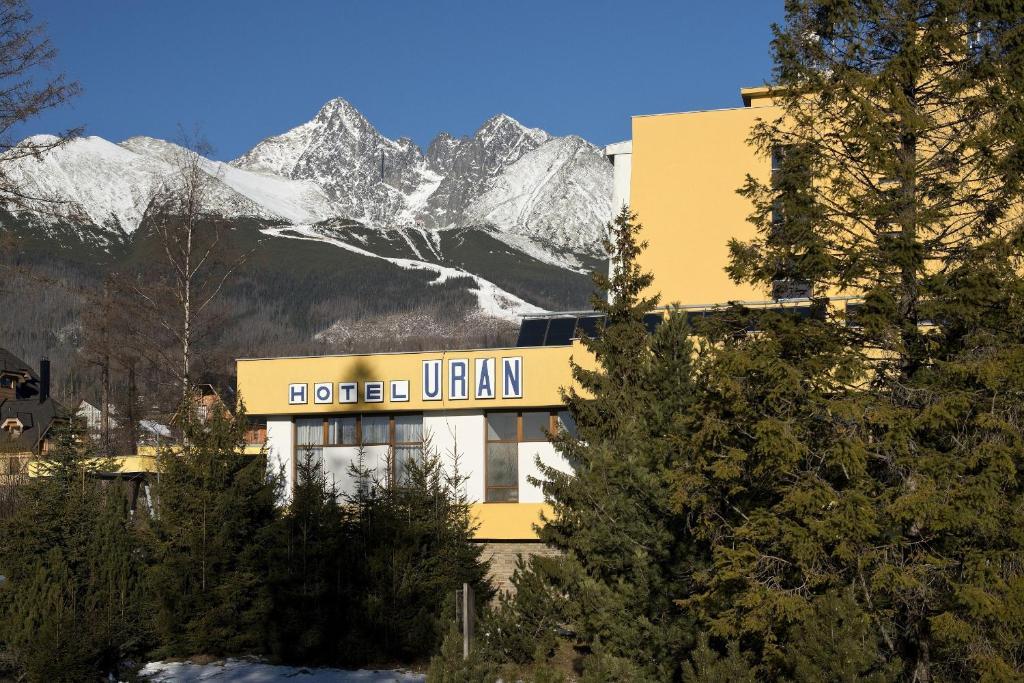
(280, 447)
(460, 431)
(528, 452)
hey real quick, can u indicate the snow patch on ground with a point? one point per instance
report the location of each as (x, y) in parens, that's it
(242, 671)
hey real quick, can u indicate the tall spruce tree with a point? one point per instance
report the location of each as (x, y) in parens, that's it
(901, 153)
(413, 543)
(613, 520)
(214, 527)
(69, 606)
(313, 588)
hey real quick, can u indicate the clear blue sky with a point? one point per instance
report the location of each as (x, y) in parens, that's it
(243, 71)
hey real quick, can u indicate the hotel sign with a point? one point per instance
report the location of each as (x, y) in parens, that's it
(456, 379)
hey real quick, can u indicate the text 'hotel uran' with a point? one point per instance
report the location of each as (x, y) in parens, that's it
(496, 408)
(433, 384)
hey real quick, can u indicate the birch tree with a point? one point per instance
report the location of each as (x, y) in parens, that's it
(191, 265)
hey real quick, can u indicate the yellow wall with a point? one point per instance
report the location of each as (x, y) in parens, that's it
(263, 383)
(508, 521)
(686, 170)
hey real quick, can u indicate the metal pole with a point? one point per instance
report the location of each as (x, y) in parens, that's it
(467, 616)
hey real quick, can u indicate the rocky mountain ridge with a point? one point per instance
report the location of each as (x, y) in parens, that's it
(521, 182)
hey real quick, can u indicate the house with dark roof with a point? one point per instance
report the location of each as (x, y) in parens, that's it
(28, 414)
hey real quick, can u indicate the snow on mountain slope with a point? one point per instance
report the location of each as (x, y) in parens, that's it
(110, 185)
(368, 176)
(297, 201)
(491, 299)
(542, 193)
(558, 193)
(469, 163)
(88, 179)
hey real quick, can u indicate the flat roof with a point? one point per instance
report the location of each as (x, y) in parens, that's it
(394, 353)
(747, 94)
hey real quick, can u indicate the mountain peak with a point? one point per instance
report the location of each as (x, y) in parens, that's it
(503, 125)
(337, 104)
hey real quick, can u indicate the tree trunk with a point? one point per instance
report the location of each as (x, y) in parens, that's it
(132, 417)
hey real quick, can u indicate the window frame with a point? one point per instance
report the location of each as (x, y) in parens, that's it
(255, 431)
(520, 439)
(391, 442)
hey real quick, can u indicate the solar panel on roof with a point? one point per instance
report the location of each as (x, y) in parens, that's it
(652, 320)
(560, 331)
(589, 325)
(532, 332)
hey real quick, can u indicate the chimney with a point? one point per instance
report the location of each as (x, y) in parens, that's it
(44, 379)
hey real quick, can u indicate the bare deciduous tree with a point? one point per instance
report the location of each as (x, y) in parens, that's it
(26, 90)
(192, 264)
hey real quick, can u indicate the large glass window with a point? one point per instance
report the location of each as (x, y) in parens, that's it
(536, 425)
(505, 431)
(501, 463)
(309, 437)
(341, 431)
(403, 433)
(408, 443)
(375, 430)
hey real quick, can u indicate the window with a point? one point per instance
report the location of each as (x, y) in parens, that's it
(375, 430)
(505, 431)
(502, 458)
(341, 431)
(408, 443)
(403, 433)
(309, 437)
(566, 422)
(256, 431)
(536, 425)
(6, 382)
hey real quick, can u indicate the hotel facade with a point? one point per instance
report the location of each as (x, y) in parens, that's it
(495, 407)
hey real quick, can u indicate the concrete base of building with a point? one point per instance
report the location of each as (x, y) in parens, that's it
(503, 554)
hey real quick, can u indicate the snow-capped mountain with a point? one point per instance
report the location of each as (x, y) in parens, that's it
(555, 194)
(93, 181)
(520, 182)
(532, 181)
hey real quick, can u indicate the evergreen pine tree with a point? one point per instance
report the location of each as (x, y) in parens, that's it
(899, 179)
(613, 521)
(313, 588)
(414, 543)
(214, 526)
(73, 566)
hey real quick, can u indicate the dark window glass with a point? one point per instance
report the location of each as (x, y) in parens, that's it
(853, 310)
(791, 288)
(566, 422)
(502, 427)
(560, 331)
(535, 425)
(503, 495)
(532, 332)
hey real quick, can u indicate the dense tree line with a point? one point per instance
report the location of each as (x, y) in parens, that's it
(837, 496)
(214, 561)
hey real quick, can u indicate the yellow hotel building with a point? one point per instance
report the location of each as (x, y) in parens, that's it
(680, 173)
